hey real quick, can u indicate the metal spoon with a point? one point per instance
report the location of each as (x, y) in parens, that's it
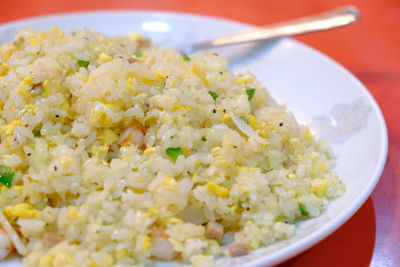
(320, 22)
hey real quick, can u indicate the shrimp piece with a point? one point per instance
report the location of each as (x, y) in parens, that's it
(215, 231)
(50, 239)
(238, 249)
(132, 60)
(6, 246)
(134, 135)
(162, 248)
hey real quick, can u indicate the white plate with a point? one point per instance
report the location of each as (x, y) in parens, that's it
(319, 91)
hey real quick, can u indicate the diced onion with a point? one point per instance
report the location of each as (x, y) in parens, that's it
(246, 129)
(9, 230)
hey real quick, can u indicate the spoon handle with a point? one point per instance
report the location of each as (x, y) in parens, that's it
(320, 22)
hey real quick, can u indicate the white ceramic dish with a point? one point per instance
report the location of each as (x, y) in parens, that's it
(318, 90)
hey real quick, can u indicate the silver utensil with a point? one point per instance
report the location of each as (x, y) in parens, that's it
(320, 22)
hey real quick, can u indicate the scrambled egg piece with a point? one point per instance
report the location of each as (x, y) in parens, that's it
(149, 151)
(196, 70)
(309, 136)
(3, 69)
(169, 183)
(241, 80)
(154, 211)
(220, 191)
(146, 243)
(295, 142)
(319, 186)
(101, 114)
(107, 137)
(25, 85)
(171, 220)
(129, 84)
(104, 58)
(73, 213)
(21, 210)
(46, 261)
(9, 129)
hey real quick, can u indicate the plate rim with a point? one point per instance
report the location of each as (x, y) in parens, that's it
(318, 235)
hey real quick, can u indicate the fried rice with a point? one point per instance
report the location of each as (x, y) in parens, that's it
(117, 152)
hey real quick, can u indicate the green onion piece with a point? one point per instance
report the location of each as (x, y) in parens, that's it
(250, 92)
(138, 53)
(186, 58)
(18, 43)
(213, 95)
(279, 219)
(36, 133)
(83, 63)
(173, 153)
(244, 118)
(6, 175)
(303, 209)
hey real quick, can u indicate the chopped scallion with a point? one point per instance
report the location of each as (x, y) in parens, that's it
(303, 209)
(6, 175)
(83, 63)
(250, 92)
(36, 133)
(18, 43)
(213, 95)
(186, 58)
(279, 219)
(244, 118)
(138, 54)
(173, 153)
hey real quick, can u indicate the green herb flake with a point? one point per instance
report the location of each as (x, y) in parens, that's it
(36, 133)
(122, 45)
(213, 95)
(138, 54)
(173, 153)
(6, 175)
(244, 118)
(186, 58)
(83, 63)
(303, 209)
(18, 43)
(250, 92)
(279, 219)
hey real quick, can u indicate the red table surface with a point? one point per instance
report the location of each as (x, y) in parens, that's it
(370, 49)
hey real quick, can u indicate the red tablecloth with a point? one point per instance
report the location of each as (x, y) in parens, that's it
(370, 50)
